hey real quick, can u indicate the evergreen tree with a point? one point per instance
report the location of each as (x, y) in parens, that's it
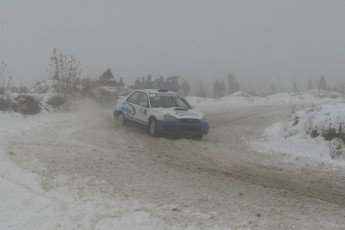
(160, 83)
(201, 90)
(149, 82)
(342, 89)
(137, 83)
(322, 83)
(142, 83)
(3, 76)
(233, 84)
(294, 85)
(121, 83)
(185, 87)
(310, 84)
(216, 88)
(273, 88)
(106, 76)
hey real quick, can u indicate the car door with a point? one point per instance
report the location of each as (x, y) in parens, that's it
(130, 106)
(143, 106)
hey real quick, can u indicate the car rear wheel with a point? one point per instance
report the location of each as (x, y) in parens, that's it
(153, 127)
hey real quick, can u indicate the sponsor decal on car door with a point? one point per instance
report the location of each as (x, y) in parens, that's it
(128, 109)
(129, 106)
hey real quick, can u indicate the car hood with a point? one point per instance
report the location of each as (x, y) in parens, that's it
(181, 113)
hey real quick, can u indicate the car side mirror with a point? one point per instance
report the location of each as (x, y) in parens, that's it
(193, 106)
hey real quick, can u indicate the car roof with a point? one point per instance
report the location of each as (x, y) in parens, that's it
(159, 91)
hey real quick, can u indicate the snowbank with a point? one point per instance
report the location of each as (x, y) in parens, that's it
(302, 139)
(240, 99)
(315, 133)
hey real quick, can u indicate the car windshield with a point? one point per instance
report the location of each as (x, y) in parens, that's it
(168, 101)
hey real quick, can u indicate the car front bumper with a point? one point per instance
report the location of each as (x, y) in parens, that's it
(179, 127)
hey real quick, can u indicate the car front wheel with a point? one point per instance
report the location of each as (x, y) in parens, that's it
(153, 127)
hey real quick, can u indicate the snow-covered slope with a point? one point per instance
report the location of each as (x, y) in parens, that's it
(293, 139)
(315, 133)
(244, 99)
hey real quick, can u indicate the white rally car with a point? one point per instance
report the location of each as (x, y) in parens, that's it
(162, 112)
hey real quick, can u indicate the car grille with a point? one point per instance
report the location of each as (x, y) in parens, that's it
(189, 121)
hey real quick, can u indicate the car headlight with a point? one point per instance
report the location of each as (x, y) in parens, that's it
(204, 118)
(168, 117)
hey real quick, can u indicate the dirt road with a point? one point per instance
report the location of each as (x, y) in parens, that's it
(219, 182)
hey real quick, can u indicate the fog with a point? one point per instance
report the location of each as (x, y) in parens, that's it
(259, 41)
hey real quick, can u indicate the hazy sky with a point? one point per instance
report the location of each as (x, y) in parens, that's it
(194, 38)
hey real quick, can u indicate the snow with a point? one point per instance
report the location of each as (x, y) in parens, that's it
(26, 205)
(323, 111)
(240, 99)
(301, 136)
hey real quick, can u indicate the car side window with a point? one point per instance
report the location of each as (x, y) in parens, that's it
(133, 98)
(143, 100)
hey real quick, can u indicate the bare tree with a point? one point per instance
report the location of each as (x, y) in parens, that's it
(67, 73)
